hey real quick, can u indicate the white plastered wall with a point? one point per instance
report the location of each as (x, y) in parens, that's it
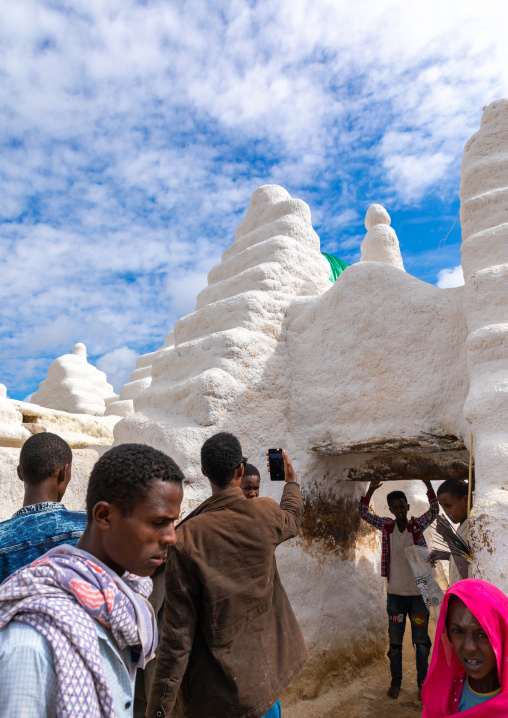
(484, 219)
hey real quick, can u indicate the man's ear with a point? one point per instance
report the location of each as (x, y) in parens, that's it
(103, 513)
(408, 507)
(64, 474)
(204, 472)
(19, 474)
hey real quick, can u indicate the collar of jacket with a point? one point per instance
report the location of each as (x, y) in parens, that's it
(217, 502)
(36, 508)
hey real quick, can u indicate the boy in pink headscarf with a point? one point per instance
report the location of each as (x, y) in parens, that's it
(469, 669)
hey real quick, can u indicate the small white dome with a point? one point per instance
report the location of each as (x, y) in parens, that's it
(376, 214)
(79, 350)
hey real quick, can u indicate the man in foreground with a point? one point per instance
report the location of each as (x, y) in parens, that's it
(44, 468)
(75, 624)
(230, 640)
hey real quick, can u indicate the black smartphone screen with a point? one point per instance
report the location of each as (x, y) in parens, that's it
(276, 464)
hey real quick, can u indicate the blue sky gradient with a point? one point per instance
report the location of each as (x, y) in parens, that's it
(133, 134)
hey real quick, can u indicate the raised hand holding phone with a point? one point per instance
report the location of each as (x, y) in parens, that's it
(279, 466)
(276, 465)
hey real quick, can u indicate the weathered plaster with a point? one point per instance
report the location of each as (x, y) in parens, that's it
(484, 219)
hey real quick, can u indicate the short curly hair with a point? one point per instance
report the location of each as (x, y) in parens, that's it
(394, 496)
(221, 455)
(41, 455)
(455, 487)
(124, 474)
(251, 470)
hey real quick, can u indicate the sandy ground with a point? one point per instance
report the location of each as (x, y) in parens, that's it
(366, 696)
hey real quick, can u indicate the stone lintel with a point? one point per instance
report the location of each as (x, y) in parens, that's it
(413, 467)
(424, 442)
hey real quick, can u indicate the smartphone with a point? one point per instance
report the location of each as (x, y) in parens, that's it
(276, 463)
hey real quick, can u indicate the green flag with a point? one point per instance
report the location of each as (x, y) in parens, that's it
(337, 266)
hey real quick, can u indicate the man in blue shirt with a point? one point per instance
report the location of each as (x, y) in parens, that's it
(45, 469)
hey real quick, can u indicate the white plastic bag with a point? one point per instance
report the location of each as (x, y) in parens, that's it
(431, 581)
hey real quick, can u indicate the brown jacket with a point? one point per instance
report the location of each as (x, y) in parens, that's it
(230, 642)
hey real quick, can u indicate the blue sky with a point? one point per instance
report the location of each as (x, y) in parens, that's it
(134, 133)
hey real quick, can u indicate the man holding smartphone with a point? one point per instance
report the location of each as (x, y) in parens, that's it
(230, 644)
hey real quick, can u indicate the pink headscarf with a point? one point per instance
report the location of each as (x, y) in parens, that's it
(443, 686)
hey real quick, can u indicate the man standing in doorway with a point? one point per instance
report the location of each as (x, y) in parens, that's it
(403, 596)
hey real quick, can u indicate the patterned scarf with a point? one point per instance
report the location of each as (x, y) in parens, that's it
(61, 595)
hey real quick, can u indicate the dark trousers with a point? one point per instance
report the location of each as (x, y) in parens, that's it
(399, 607)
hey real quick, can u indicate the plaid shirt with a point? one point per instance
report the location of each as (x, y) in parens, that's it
(415, 526)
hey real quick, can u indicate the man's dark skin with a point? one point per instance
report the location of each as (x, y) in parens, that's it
(137, 542)
(472, 648)
(399, 508)
(50, 490)
(250, 486)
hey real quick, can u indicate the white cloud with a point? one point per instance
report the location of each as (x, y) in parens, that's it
(412, 175)
(184, 290)
(133, 134)
(118, 365)
(448, 278)
(353, 242)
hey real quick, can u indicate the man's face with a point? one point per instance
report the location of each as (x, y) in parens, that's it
(454, 508)
(138, 543)
(399, 509)
(470, 642)
(250, 486)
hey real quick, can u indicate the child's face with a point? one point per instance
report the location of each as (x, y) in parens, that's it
(454, 508)
(250, 486)
(470, 642)
(399, 509)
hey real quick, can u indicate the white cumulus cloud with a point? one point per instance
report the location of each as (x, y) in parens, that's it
(452, 277)
(118, 365)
